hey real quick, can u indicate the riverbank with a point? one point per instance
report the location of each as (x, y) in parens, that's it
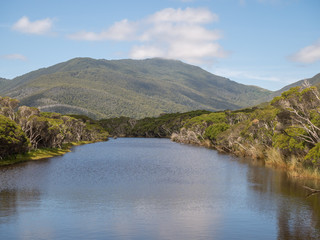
(270, 157)
(42, 153)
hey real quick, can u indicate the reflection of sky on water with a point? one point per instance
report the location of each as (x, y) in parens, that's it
(148, 189)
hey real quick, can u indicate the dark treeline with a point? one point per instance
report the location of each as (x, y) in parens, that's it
(160, 127)
(26, 128)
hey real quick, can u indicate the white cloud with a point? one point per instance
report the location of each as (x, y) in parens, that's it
(15, 56)
(189, 15)
(309, 54)
(170, 33)
(119, 31)
(39, 27)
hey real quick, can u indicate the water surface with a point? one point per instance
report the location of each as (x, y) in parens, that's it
(133, 188)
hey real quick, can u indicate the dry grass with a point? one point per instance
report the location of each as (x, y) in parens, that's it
(274, 158)
(294, 166)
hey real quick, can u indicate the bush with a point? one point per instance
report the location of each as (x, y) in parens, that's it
(213, 131)
(12, 138)
(314, 154)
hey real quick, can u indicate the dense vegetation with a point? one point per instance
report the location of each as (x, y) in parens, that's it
(285, 132)
(162, 126)
(131, 88)
(26, 128)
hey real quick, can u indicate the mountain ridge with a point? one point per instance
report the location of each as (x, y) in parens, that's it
(134, 88)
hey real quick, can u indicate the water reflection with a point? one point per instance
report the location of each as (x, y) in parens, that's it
(13, 201)
(152, 189)
(297, 216)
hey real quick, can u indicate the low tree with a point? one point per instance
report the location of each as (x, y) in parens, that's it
(301, 108)
(8, 106)
(12, 138)
(298, 130)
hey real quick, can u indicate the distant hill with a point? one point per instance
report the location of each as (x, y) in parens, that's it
(313, 81)
(133, 88)
(3, 82)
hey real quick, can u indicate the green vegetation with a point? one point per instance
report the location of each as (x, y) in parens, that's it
(162, 126)
(12, 138)
(131, 88)
(28, 134)
(284, 133)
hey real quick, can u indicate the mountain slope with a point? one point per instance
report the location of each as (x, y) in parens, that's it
(134, 88)
(313, 81)
(4, 82)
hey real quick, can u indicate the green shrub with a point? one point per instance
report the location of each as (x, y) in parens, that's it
(12, 138)
(214, 130)
(314, 154)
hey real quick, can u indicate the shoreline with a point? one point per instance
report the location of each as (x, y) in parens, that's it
(293, 169)
(41, 154)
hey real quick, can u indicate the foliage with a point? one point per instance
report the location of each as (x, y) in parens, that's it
(288, 141)
(300, 107)
(41, 129)
(162, 126)
(289, 128)
(314, 154)
(12, 138)
(206, 120)
(213, 131)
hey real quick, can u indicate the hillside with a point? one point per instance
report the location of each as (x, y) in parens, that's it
(132, 88)
(3, 82)
(315, 80)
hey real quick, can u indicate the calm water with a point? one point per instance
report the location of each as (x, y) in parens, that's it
(152, 189)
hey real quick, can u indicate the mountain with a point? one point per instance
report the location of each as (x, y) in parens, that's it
(313, 81)
(4, 82)
(133, 88)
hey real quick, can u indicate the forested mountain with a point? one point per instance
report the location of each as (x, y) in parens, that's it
(3, 82)
(132, 88)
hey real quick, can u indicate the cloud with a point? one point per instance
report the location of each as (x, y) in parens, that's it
(119, 31)
(39, 27)
(189, 15)
(15, 56)
(169, 33)
(308, 54)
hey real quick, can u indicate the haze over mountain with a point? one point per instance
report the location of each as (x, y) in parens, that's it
(133, 88)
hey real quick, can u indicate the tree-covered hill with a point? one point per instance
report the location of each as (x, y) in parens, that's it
(3, 82)
(132, 88)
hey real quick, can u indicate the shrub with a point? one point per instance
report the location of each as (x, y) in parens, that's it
(12, 138)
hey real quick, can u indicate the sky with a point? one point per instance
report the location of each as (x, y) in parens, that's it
(267, 43)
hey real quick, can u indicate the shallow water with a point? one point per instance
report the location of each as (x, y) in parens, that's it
(134, 188)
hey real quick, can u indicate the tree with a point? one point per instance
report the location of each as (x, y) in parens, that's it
(8, 106)
(12, 138)
(301, 108)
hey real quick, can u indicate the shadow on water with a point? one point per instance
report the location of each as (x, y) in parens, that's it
(11, 201)
(298, 216)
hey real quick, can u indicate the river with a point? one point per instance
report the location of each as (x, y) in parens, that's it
(135, 188)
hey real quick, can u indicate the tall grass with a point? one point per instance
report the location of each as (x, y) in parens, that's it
(274, 158)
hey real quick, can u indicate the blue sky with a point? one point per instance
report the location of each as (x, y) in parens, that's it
(267, 43)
